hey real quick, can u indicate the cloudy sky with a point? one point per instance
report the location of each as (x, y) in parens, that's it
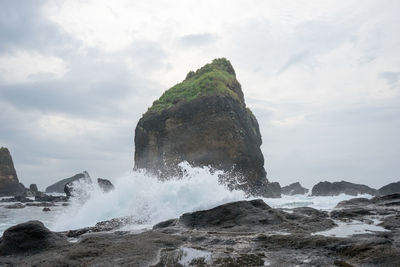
(322, 77)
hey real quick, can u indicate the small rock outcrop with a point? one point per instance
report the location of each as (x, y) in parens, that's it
(29, 237)
(9, 184)
(58, 187)
(204, 121)
(343, 187)
(389, 189)
(105, 185)
(294, 189)
(34, 190)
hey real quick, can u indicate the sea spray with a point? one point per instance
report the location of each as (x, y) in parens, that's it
(147, 199)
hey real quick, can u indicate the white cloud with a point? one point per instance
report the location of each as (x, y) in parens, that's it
(26, 66)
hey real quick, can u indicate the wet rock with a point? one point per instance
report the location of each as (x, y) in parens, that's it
(350, 213)
(254, 215)
(105, 185)
(15, 206)
(49, 198)
(46, 209)
(41, 204)
(294, 189)
(387, 200)
(391, 222)
(29, 237)
(343, 187)
(354, 202)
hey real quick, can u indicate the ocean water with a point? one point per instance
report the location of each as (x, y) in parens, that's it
(149, 201)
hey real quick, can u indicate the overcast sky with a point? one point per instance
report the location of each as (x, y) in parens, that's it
(322, 77)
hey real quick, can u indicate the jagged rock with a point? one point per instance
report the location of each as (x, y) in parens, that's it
(343, 187)
(58, 187)
(9, 184)
(204, 121)
(389, 189)
(294, 189)
(354, 202)
(29, 237)
(105, 184)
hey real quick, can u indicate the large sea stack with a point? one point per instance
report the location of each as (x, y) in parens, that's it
(9, 184)
(204, 121)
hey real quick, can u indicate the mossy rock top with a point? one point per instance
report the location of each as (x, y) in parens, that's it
(215, 78)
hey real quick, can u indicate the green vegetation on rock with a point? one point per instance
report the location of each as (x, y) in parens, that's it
(216, 78)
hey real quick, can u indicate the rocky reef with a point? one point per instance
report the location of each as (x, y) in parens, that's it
(204, 121)
(9, 184)
(243, 233)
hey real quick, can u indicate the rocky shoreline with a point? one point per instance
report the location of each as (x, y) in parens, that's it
(243, 233)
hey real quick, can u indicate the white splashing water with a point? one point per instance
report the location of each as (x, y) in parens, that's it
(147, 199)
(150, 201)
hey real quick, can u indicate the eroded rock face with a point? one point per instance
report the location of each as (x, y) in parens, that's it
(294, 189)
(9, 184)
(343, 187)
(204, 121)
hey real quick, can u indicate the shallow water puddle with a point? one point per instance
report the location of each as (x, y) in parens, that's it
(352, 228)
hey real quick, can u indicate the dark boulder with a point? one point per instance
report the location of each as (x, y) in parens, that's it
(253, 215)
(105, 185)
(343, 187)
(9, 184)
(46, 209)
(204, 121)
(29, 237)
(389, 189)
(58, 187)
(294, 189)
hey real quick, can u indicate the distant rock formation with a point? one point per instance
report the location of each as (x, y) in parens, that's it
(294, 189)
(105, 185)
(34, 190)
(343, 187)
(389, 189)
(58, 187)
(9, 184)
(204, 121)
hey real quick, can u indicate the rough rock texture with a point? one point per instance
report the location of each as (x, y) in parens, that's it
(29, 237)
(204, 121)
(58, 187)
(9, 184)
(294, 189)
(257, 235)
(105, 184)
(343, 187)
(389, 189)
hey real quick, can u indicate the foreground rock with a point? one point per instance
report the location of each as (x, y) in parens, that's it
(9, 184)
(244, 233)
(294, 189)
(30, 237)
(343, 187)
(204, 121)
(58, 187)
